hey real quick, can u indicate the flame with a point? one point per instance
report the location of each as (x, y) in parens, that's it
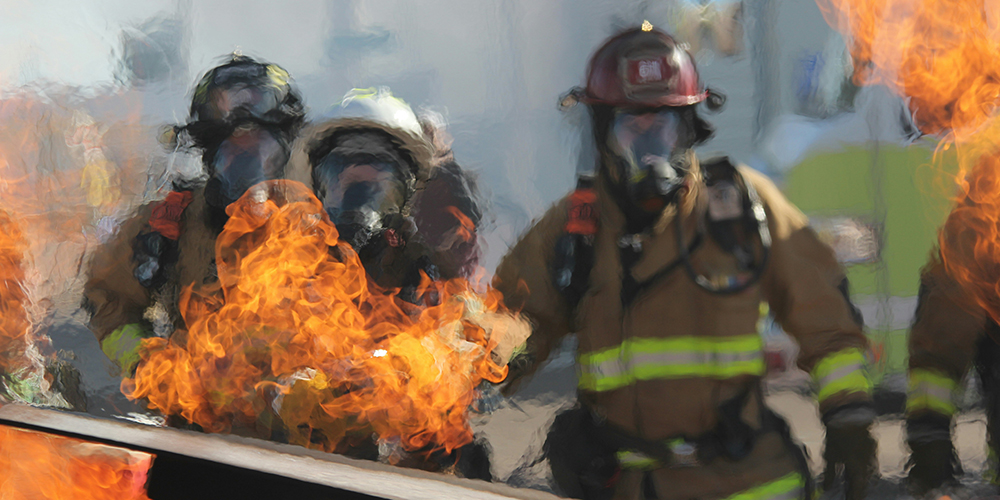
(944, 56)
(35, 465)
(56, 183)
(466, 229)
(296, 333)
(15, 327)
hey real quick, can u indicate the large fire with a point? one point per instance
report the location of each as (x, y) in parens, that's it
(57, 182)
(944, 56)
(296, 336)
(37, 466)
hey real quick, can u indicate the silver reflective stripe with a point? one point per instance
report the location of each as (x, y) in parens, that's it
(928, 388)
(612, 368)
(840, 373)
(694, 358)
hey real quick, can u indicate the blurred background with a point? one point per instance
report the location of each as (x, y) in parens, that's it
(86, 86)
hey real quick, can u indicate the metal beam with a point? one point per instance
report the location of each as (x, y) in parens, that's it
(369, 478)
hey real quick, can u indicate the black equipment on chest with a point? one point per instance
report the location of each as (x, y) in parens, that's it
(735, 220)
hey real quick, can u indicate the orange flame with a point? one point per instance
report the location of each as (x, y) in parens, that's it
(14, 324)
(35, 465)
(945, 57)
(466, 228)
(56, 181)
(301, 335)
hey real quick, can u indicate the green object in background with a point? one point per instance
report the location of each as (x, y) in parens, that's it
(915, 196)
(902, 192)
(122, 346)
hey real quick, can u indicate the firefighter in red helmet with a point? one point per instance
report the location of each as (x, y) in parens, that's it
(659, 264)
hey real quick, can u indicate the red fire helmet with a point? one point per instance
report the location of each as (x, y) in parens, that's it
(642, 67)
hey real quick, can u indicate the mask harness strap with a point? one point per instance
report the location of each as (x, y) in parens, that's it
(758, 216)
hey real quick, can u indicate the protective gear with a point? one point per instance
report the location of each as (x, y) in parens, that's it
(583, 466)
(642, 68)
(662, 383)
(692, 388)
(933, 461)
(367, 171)
(243, 89)
(647, 143)
(574, 255)
(851, 447)
(360, 181)
(243, 116)
(123, 346)
(377, 105)
(950, 334)
(641, 88)
(249, 156)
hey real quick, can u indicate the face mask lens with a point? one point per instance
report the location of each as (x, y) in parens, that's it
(247, 158)
(644, 139)
(358, 186)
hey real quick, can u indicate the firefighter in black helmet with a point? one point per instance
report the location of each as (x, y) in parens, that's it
(244, 116)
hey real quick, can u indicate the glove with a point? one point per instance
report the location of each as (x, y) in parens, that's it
(933, 462)
(123, 345)
(850, 447)
(152, 254)
(67, 381)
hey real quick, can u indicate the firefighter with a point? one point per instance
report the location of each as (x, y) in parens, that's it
(659, 265)
(951, 333)
(244, 116)
(393, 189)
(390, 184)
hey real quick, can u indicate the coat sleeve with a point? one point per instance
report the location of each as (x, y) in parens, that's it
(112, 294)
(947, 327)
(524, 279)
(807, 289)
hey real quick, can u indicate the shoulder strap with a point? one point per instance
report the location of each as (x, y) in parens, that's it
(574, 252)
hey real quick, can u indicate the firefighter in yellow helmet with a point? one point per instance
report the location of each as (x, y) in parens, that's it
(659, 266)
(396, 195)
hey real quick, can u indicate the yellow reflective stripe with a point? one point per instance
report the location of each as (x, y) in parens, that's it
(278, 76)
(635, 460)
(749, 342)
(677, 357)
(930, 390)
(595, 383)
(594, 358)
(842, 371)
(737, 343)
(855, 381)
(788, 487)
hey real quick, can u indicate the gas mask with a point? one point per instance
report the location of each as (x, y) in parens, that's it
(652, 152)
(250, 155)
(363, 183)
